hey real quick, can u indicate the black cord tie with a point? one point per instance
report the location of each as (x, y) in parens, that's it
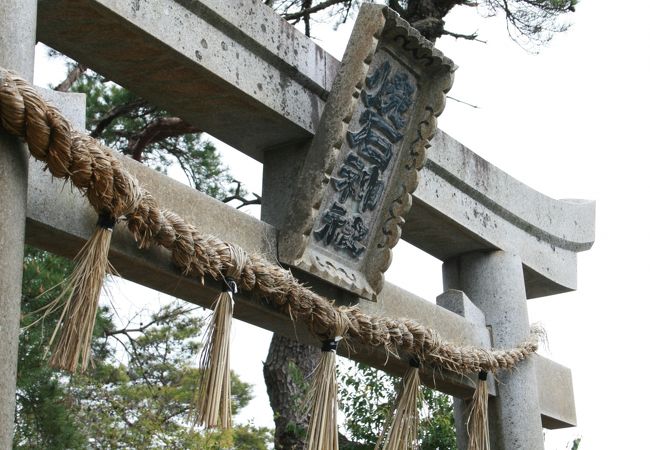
(330, 345)
(105, 220)
(230, 285)
(482, 375)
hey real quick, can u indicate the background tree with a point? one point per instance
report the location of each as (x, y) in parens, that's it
(531, 23)
(367, 398)
(143, 403)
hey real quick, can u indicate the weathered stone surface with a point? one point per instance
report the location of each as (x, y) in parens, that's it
(494, 281)
(17, 36)
(219, 92)
(60, 219)
(227, 67)
(556, 404)
(356, 182)
(457, 302)
(467, 204)
(71, 104)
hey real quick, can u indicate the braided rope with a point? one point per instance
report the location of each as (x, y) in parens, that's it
(110, 189)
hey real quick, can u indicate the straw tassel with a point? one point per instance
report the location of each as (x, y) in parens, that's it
(403, 431)
(214, 389)
(322, 433)
(477, 425)
(80, 297)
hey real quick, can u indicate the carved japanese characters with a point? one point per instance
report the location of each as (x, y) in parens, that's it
(362, 166)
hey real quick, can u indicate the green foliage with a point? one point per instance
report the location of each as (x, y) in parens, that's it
(143, 403)
(127, 123)
(42, 400)
(366, 399)
(140, 390)
(530, 23)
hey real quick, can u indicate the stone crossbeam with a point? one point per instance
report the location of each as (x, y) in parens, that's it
(243, 68)
(59, 219)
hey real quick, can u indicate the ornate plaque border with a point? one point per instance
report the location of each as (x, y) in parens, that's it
(377, 29)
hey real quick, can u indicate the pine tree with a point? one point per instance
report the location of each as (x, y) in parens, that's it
(139, 392)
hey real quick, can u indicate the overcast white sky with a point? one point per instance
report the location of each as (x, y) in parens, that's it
(570, 122)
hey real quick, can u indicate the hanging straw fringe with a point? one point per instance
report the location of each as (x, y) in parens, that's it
(322, 433)
(403, 431)
(80, 297)
(214, 408)
(110, 187)
(477, 425)
(214, 388)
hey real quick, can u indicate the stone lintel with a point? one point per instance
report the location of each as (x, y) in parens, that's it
(464, 204)
(556, 399)
(245, 68)
(554, 381)
(457, 302)
(59, 219)
(223, 66)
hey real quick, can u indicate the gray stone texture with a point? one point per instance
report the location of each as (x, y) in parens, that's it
(245, 76)
(17, 39)
(243, 68)
(494, 281)
(381, 43)
(457, 302)
(228, 67)
(59, 219)
(472, 205)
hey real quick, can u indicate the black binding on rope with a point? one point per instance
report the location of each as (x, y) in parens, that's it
(105, 220)
(230, 285)
(414, 362)
(482, 375)
(329, 345)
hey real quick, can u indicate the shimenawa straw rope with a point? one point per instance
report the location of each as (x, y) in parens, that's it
(110, 188)
(80, 298)
(322, 433)
(214, 387)
(214, 408)
(478, 429)
(403, 431)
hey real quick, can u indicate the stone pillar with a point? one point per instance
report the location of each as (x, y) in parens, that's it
(494, 282)
(282, 167)
(17, 40)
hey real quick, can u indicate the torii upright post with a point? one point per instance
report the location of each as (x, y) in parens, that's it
(494, 281)
(18, 25)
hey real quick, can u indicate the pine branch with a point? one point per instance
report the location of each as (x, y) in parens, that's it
(156, 319)
(239, 197)
(307, 11)
(115, 113)
(469, 37)
(73, 75)
(159, 129)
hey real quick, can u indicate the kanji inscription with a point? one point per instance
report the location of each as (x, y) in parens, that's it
(360, 180)
(355, 184)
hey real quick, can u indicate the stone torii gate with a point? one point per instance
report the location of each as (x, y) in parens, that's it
(230, 67)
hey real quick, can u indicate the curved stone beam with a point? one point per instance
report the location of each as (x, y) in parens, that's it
(465, 204)
(244, 69)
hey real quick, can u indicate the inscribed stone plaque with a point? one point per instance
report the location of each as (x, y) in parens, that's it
(356, 183)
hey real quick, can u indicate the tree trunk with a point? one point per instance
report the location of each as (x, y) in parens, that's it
(286, 369)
